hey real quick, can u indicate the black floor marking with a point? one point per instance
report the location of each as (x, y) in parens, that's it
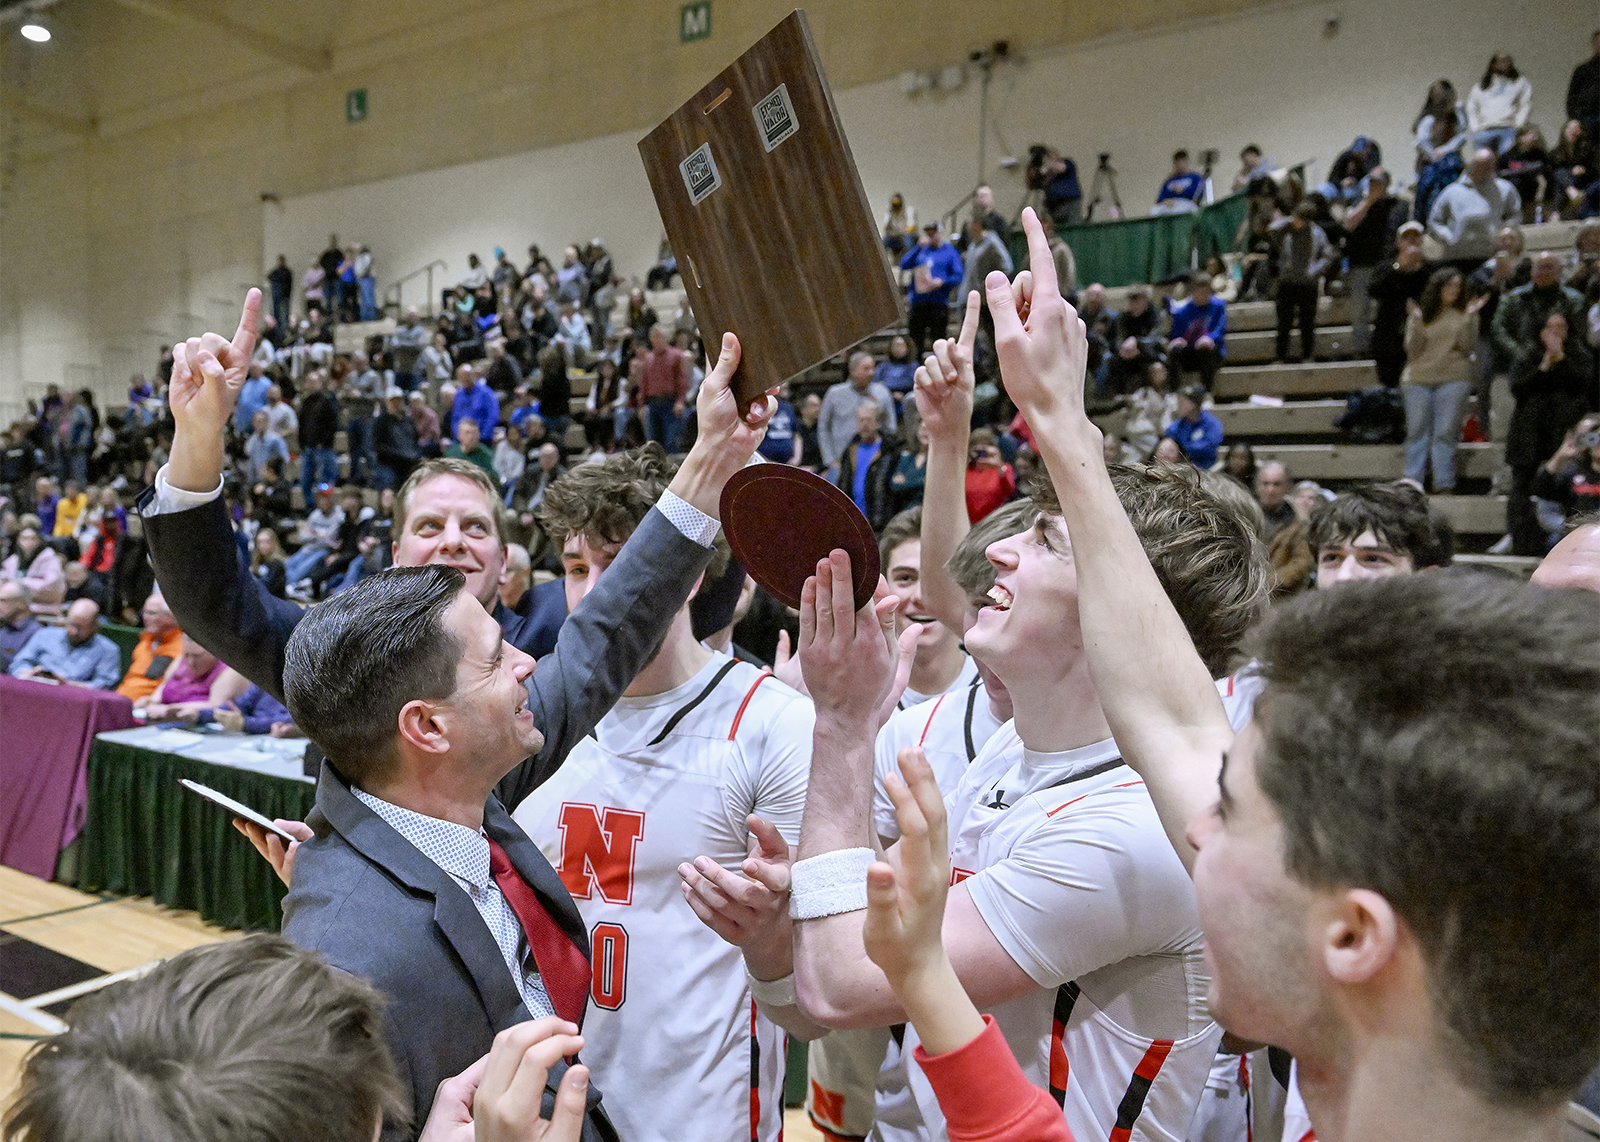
(28, 969)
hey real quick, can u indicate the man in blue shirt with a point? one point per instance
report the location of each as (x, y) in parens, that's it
(252, 396)
(866, 465)
(1199, 327)
(1182, 191)
(474, 401)
(1197, 431)
(781, 444)
(75, 653)
(936, 270)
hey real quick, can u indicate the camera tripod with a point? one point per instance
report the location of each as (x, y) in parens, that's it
(1105, 182)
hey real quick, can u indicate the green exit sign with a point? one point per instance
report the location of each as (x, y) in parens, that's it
(694, 22)
(355, 105)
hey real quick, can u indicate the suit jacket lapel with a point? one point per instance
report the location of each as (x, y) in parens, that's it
(457, 917)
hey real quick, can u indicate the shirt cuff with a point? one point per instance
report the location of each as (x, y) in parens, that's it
(690, 520)
(169, 499)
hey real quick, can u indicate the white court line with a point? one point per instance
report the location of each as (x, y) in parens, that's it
(88, 985)
(22, 1011)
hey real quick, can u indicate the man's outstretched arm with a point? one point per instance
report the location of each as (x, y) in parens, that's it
(1158, 696)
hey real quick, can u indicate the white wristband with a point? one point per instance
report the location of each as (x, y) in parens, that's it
(773, 992)
(829, 884)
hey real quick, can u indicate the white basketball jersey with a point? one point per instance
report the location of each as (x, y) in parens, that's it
(672, 1036)
(950, 729)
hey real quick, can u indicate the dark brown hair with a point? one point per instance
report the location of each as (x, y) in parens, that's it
(1397, 515)
(1434, 738)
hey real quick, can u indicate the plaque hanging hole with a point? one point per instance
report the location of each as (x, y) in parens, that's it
(695, 270)
(718, 101)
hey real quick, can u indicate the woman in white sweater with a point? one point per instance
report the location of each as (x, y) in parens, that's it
(1498, 105)
(1441, 333)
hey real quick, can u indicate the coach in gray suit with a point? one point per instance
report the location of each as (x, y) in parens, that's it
(434, 773)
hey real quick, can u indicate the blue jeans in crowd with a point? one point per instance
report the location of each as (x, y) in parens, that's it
(1497, 139)
(369, 298)
(303, 562)
(1433, 429)
(317, 466)
(661, 423)
(363, 457)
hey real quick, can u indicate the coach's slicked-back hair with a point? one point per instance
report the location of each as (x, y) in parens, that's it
(1204, 547)
(1436, 739)
(968, 565)
(1397, 515)
(353, 663)
(249, 1041)
(606, 502)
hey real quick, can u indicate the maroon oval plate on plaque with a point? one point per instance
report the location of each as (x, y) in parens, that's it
(781, 521)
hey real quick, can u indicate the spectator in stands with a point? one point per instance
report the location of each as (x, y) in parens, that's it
(1376, 531)
(360, 400)
(1151, 408)
(897, 372)
(469, 446)
(572, 279)
(406, 346)
(1570, 478)
(260, 446)
(1572, 169)
(1520, 319)
(36, 565)
(1196, 431)
(1272, 493)
(70, 509)
(1441, 132)
(1498, 105)
(426, 422)
(91, 575)
(281, 417)
(662, 388)
(80, 585)
(1182, 191)
(1469, 212)
(17, 622)
(866, 465)
(1136, 341)
(319, 429)
(1063, 195)
(266, 562)
(281, 279)
(1251, 162)
(45, 498)
(1370, 227)
(666, 268)
(983, 251)
(1199, 329)
(781, 444)
(911, 473)
(899, 226)
(1441, 334)
(75, 653)
(1303, 257)
(555, 395)
(252, 396)
(810, 410)
(836, 425)
(1526, 165)
(1060, 253)
(1553, 386)
(192, 683)
(501, 372)
(318, 536)
(1586, 259)
(1239, 461)
(990, 480)
(474, 400)
(509, 459)
(394, 441)
(573, 335)
(1394, 284)
(252, 712)
(536, 479)
(434, 364)
(936, 270)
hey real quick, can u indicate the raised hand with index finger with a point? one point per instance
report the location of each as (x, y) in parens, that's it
(944, 382)
(207, 373)
(1042, 345)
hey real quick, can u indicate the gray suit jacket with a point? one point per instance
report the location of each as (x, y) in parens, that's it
(365, 897)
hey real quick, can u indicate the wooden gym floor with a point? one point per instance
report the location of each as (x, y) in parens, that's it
(57, 943)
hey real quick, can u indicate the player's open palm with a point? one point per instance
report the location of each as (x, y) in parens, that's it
(944, 383)
(1040, 340)
(208, 371)
(905, 905)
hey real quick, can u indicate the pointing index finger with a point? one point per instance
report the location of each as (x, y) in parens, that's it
(1040, 260)
(244, 338)
(969, 323)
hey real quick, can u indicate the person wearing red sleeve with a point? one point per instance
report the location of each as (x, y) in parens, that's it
(990, 480)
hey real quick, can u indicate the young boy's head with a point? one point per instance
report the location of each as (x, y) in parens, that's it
(1377, 531)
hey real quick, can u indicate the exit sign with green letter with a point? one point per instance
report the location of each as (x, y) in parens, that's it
(694, 22)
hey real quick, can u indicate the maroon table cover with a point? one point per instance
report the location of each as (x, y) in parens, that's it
(46, 733)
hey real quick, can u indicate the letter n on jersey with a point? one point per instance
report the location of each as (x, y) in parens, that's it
(597, 847)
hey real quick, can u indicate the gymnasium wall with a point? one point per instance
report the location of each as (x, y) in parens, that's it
(517, 123)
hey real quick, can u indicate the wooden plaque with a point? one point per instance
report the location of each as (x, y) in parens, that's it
(765, 212)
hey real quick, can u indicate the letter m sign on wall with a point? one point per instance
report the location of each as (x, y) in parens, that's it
(694, 22)
(597, 847)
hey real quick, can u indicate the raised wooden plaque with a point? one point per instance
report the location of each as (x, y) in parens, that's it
(765, 212)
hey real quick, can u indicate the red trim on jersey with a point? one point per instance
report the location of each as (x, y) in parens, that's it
(1230, 686)
(765, 674)
(931, 713)
(1249, 1101)
(1308, 1136)
(755, 1076)
(1128, 785)
(1138, 1088)
(1062, 806)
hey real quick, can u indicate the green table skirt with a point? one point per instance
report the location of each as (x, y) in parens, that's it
(145, 835)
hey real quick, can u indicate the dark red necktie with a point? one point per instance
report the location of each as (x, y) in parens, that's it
(562, 966)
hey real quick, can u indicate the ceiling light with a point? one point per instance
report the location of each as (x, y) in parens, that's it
(38, 33)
